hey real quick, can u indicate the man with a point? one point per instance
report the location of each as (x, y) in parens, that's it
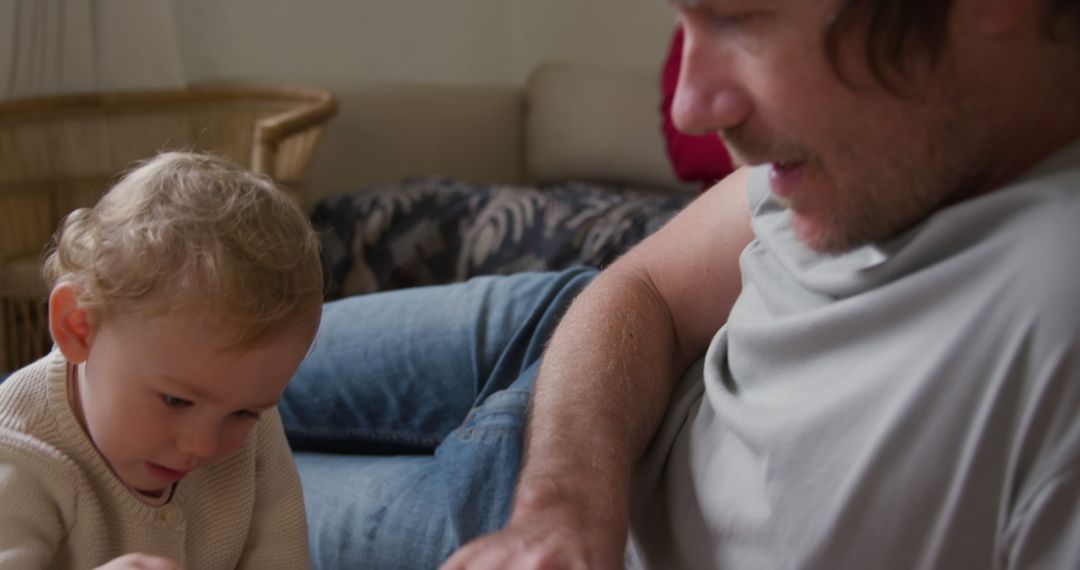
(862, 352)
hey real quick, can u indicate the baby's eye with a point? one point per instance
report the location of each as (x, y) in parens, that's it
(246, 415)
(173, 401)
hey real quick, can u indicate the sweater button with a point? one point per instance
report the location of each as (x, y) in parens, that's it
(172, 517)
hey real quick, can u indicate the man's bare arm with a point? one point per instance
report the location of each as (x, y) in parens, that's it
(605, 383)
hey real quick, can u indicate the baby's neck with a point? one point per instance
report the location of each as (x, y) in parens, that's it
(73, 374)
(156, 498)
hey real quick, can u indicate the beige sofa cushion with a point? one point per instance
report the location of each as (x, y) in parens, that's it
(389, 131)
(595, 124)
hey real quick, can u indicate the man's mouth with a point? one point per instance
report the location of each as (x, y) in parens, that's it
(784, 177)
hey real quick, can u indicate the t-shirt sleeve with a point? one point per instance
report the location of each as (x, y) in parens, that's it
(1045, 533)
(1043, 529)
(279, 536)
(37, 497)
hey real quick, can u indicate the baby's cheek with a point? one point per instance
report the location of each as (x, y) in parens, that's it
(234, 440)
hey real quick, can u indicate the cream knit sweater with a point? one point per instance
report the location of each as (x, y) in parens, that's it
(62, 507)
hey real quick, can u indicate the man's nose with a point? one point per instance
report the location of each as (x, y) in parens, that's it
(709, 97)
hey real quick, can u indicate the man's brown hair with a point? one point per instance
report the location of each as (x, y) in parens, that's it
(899, 32)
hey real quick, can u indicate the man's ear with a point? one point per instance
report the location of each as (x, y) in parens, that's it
(69, 324)
(1003, 16)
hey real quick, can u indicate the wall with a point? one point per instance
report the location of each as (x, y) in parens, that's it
(346, 45)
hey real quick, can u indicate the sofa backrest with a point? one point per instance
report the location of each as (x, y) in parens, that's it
(566, 122)
(595, 124)
(390, 131)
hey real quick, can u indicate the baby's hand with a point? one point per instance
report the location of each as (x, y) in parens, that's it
(138, 561)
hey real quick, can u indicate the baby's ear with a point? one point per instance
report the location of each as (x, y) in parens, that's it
(69, 324)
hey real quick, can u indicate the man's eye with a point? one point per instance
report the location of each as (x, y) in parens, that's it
(727, 21)
(174, 402)
(705, 18)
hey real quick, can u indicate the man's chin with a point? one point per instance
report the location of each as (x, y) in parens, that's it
(821, 236)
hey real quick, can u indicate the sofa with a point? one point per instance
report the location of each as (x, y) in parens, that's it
(455, 182)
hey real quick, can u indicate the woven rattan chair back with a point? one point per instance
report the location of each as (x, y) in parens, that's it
(60, 153)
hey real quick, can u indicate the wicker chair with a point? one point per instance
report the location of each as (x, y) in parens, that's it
(60, 153)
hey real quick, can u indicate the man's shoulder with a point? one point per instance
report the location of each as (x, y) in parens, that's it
(1037, 280)
(1039, 258)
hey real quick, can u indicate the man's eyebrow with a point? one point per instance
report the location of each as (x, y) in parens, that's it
(689, 4)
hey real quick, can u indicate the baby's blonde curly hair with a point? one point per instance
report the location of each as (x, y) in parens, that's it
(186, 231)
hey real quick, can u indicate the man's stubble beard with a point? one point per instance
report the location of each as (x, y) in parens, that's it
(880, 196)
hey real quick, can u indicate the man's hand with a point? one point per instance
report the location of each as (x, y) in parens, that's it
(136, 561)
(546, 534)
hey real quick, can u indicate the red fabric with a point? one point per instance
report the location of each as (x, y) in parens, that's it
(695, 158)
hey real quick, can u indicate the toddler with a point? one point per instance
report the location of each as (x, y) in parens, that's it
(180, 306)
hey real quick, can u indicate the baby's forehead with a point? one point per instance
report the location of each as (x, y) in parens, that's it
(229, 378)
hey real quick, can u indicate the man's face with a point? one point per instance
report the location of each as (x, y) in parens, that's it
(854, 162)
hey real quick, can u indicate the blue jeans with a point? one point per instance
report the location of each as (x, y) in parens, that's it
(407, 417)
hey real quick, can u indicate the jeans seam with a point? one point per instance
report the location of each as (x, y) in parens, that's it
(338, 434)
(489, 410)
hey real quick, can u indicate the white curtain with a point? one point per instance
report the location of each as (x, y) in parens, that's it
(74, 46)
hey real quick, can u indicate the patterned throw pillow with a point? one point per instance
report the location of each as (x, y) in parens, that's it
(434, 230)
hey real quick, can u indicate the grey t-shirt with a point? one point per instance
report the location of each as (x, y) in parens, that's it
(905, 405)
